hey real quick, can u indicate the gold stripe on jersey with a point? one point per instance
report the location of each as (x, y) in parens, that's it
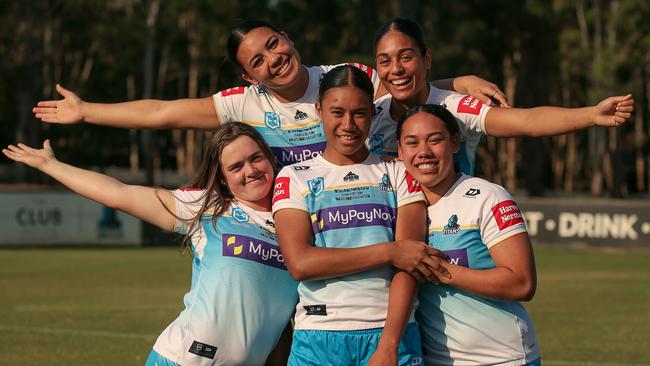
(301, 125)
(253, 123)
(284, 127)
(306, 192)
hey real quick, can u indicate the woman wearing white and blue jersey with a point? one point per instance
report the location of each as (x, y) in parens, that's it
(473, 317)
(403, 62)
(241, 296)
(279, 102)
(337, 217)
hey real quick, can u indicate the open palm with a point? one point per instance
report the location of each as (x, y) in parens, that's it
(36, 158)
(66, 110)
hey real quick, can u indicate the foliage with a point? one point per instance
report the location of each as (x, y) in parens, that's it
(564, 52)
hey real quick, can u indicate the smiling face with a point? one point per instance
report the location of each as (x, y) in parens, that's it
(427, 149)
(402, 68)
(269, 58)
(248, 173)
(346, 113)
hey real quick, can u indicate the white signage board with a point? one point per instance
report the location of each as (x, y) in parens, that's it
(63, 218)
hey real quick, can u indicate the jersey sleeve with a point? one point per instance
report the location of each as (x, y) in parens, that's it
(407, 188)
(372, 74)
(229, 104)
(287, 192)
(471, 112)
(188, 203)
(501, 218)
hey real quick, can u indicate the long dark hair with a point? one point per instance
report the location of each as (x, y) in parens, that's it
(237, 34)
(346, 75)
(210, 177)
(405, 26)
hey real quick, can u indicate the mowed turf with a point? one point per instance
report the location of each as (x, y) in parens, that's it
(107, 306)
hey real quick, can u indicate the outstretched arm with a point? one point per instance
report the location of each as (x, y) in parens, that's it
(411, 224)
(550, 121)
(513, 278)
(146, 113)
(483, 90)
(305, 261)
(145, 203)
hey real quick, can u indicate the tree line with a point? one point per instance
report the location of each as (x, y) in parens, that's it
(561, 52)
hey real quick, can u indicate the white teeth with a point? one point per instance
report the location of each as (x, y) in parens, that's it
(400, 82)
(348, 138)
(284, 68)
(426, 166)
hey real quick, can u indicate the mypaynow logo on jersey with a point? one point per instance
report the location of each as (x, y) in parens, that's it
(252, 249)
(289, 154)
(458, 257)
(353, 216)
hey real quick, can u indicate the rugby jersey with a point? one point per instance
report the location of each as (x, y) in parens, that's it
(241, 295)
(293, 130)
(459, 328)
(469, 112)
(349, 206)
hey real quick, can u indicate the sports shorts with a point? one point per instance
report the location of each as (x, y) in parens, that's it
(350, 347)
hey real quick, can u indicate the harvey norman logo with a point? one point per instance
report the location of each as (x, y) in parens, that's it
(252, 249)
(469, 105)
(353, 216)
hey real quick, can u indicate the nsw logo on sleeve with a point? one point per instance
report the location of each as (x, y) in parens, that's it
(316, 186)
(412, 184)
(470, 105)
(271, 120)
(244, 247)
(507, 214)
(281, 189)
(233, 91)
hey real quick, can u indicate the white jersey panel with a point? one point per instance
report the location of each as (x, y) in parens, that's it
(293, 130)
(459, 328)
(241, 295)
(469, 112)
(349, 206)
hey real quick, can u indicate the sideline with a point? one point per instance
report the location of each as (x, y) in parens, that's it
(589, 363)
(77, 332)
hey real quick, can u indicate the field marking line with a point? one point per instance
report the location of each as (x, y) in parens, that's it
(589, 363)
(77, 332)
(69, 307)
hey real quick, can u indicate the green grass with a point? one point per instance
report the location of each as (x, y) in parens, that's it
(107, 306)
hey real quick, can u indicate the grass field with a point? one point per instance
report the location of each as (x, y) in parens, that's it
(107, 306)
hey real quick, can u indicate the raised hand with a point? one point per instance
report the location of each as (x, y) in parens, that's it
(614, 111)
(36, 158)
(65, 111)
